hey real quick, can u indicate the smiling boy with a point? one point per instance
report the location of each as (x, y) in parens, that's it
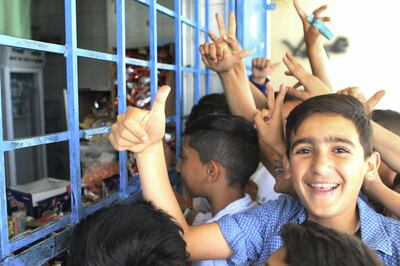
(330, 153)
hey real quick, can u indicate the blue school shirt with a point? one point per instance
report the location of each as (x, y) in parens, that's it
(254, 235)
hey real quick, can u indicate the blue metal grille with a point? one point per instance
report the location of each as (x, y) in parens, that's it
(58, 242)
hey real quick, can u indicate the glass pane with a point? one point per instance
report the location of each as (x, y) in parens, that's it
(30, 190)
(188, 92)
(188, 48)
(165, 39)
(32, 86)
(137, 25)
(92, 21)
(46, 19)
(188, 9)
(167, 3)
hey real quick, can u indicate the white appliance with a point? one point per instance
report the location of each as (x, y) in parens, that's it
(23, 112)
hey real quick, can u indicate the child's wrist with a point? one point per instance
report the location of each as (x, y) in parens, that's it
(150, 149)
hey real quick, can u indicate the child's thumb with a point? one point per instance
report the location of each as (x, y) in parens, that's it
(160, 99)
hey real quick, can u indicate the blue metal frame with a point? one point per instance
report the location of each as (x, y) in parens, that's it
(58, 242)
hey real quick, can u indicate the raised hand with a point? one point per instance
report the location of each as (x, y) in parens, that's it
(269, 123)
(313, 86)
(312, 35)
(262, 68)
(222, 57)
(137, 129)
(356, 92)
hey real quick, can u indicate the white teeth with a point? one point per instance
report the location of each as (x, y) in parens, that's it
(324, 185)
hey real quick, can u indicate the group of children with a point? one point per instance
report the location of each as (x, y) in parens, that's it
(322, 148)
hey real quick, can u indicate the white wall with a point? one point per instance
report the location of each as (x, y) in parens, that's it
(372, 56)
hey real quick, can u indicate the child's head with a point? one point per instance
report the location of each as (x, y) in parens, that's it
(214, 103)
(131, 233)
(315, 245)
(329, 142)
(218, 146)
(390, 120)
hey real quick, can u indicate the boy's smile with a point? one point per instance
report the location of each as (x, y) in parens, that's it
(327, 166)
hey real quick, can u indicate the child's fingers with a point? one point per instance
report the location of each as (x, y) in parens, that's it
(214, 37)
(130, 130)
(302, 14)
(258, 120)
(373, 101)
(213, 52)
(221, 24)
(205, 61)
(232, 25)
(301, 95)
(220, 50)
(325, 19)
(160, 99)
(320, 9)
(279, 102)
(115, 145)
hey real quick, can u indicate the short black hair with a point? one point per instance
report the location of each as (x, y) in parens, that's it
(126, 234)
(229, 140)
(388, 119)
(214, 103)
(312, 244)
(344, 105)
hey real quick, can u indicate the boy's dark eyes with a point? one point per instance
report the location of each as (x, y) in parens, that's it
(303, 151)
(341, 150)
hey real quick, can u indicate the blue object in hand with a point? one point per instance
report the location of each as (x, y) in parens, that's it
(323, 29)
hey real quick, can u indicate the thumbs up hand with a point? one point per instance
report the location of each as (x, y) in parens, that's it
(137, 129)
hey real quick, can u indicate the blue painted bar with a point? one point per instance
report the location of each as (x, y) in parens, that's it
(101, 204)
(178, 77)
(94, 131)
(232, 6)
(42, 252)
(188, 21)
(207, 20)
(73, 117)
(30, 44)
(239, 26)
(136, 62)
(196, 51)
(24, 240)
(153, 49)
(121, 72)
(34, 141)
(166, 66)
(165, 10)
(4, 244)
(96, 55)
(145, 2)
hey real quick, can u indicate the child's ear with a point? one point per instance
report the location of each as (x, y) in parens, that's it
(286, 167)
(213, 171)
(373, 162)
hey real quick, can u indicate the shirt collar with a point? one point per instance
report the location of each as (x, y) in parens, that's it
(373, 232)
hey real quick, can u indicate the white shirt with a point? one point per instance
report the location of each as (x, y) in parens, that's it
(236, 206)
(266, 182)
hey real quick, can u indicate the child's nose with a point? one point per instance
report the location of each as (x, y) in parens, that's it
(322, 163)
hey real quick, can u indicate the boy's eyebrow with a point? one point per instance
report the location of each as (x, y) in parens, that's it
(330, 139)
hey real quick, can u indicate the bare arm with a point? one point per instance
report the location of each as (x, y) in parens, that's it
(315, 50)
(141, 132)
(376, 190)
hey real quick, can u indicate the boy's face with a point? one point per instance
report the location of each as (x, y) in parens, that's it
(327, 165)
(192, 170)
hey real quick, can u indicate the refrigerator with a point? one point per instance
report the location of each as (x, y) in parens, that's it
(21, 74)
